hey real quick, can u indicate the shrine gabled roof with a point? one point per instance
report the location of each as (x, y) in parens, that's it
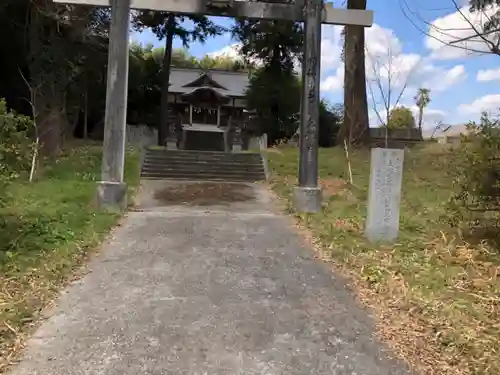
(218, 93)
(233, 84)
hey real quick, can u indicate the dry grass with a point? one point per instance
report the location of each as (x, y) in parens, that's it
(204, 194)
(436, 298)
(46, 232)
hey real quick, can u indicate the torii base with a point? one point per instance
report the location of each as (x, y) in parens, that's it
(307, 199)
(112, 195)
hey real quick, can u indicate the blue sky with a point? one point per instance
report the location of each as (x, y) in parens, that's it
(462, 83)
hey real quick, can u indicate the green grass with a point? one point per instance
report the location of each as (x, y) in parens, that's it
(436, 297)
(46, 230)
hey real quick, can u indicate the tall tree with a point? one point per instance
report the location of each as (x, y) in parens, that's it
(355, 128)
(167, 26)
(60, 41)
(275, 96)
(422, 99)
(277, 46)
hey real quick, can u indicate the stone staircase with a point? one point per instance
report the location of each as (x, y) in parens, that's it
(202, 165)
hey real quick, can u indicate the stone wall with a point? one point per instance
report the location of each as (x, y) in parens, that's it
(395, 133)
(141, 135)
(396, 138)
(258, 143)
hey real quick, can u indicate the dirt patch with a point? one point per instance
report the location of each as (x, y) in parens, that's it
(332, 186)
(205, 194)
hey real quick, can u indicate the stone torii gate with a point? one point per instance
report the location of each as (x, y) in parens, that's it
(111, 189)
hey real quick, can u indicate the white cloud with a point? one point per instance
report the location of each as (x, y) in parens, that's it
(384, 58)
(488, 75)
(333, 82)
(460, 28)
(431, 116)
(447, 78)
(487, 103)
(383, 46)
(232, 51)
(331, 47)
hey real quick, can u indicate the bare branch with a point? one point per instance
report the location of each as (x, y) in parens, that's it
(33, 91)
(478, 36)
(388, 93)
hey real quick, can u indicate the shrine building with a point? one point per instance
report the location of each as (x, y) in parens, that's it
(205, 101)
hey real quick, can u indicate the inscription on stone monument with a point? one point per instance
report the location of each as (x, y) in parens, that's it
(386, 175)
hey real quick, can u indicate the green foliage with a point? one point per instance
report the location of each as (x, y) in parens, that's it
(274, 90)
(202, 27)
(46, 230)
(401, 118)
(15, 146)
(276, 104)
(330, 120)
(476, 202)
(422, 99)
(274, 43)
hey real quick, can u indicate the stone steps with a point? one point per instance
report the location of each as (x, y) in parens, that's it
(202, 155)
(202, 165)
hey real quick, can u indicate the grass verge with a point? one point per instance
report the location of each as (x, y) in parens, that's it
(436, 298)
(46, 232)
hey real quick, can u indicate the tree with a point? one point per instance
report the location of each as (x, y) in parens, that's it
(330, 120)
(355, 128)
(224, 63)
(387, 81)
(276, 103)
(422, 99)
(181, 58)
(274, 90)
(145, 80)
(274, 44)
(478, 33)
(59, 43)
(401, 118)
(167, 26)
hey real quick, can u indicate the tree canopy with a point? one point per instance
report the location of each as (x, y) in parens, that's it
(401, 118)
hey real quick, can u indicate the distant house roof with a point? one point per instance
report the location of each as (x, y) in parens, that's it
(446, 131)
(226, 83)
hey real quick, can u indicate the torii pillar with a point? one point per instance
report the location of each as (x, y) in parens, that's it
(307, 196)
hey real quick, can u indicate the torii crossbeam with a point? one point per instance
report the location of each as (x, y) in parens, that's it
(246, 9)
(111, 189)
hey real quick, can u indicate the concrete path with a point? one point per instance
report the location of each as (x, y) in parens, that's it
(206, 290)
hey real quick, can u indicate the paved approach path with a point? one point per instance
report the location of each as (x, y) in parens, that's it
(206, 290)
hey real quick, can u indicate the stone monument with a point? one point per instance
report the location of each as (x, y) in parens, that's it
(386, 175)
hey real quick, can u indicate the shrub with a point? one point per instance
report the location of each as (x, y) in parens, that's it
(330, 118)
(15, 146)
(401, 118)
(476, 202)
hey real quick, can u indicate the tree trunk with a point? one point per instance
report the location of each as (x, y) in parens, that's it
(355, 128)
(420, 118)
(167, 58)
(86, 112)
(49, 104)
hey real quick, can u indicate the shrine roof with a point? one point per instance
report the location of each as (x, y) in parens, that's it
(233, 84)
